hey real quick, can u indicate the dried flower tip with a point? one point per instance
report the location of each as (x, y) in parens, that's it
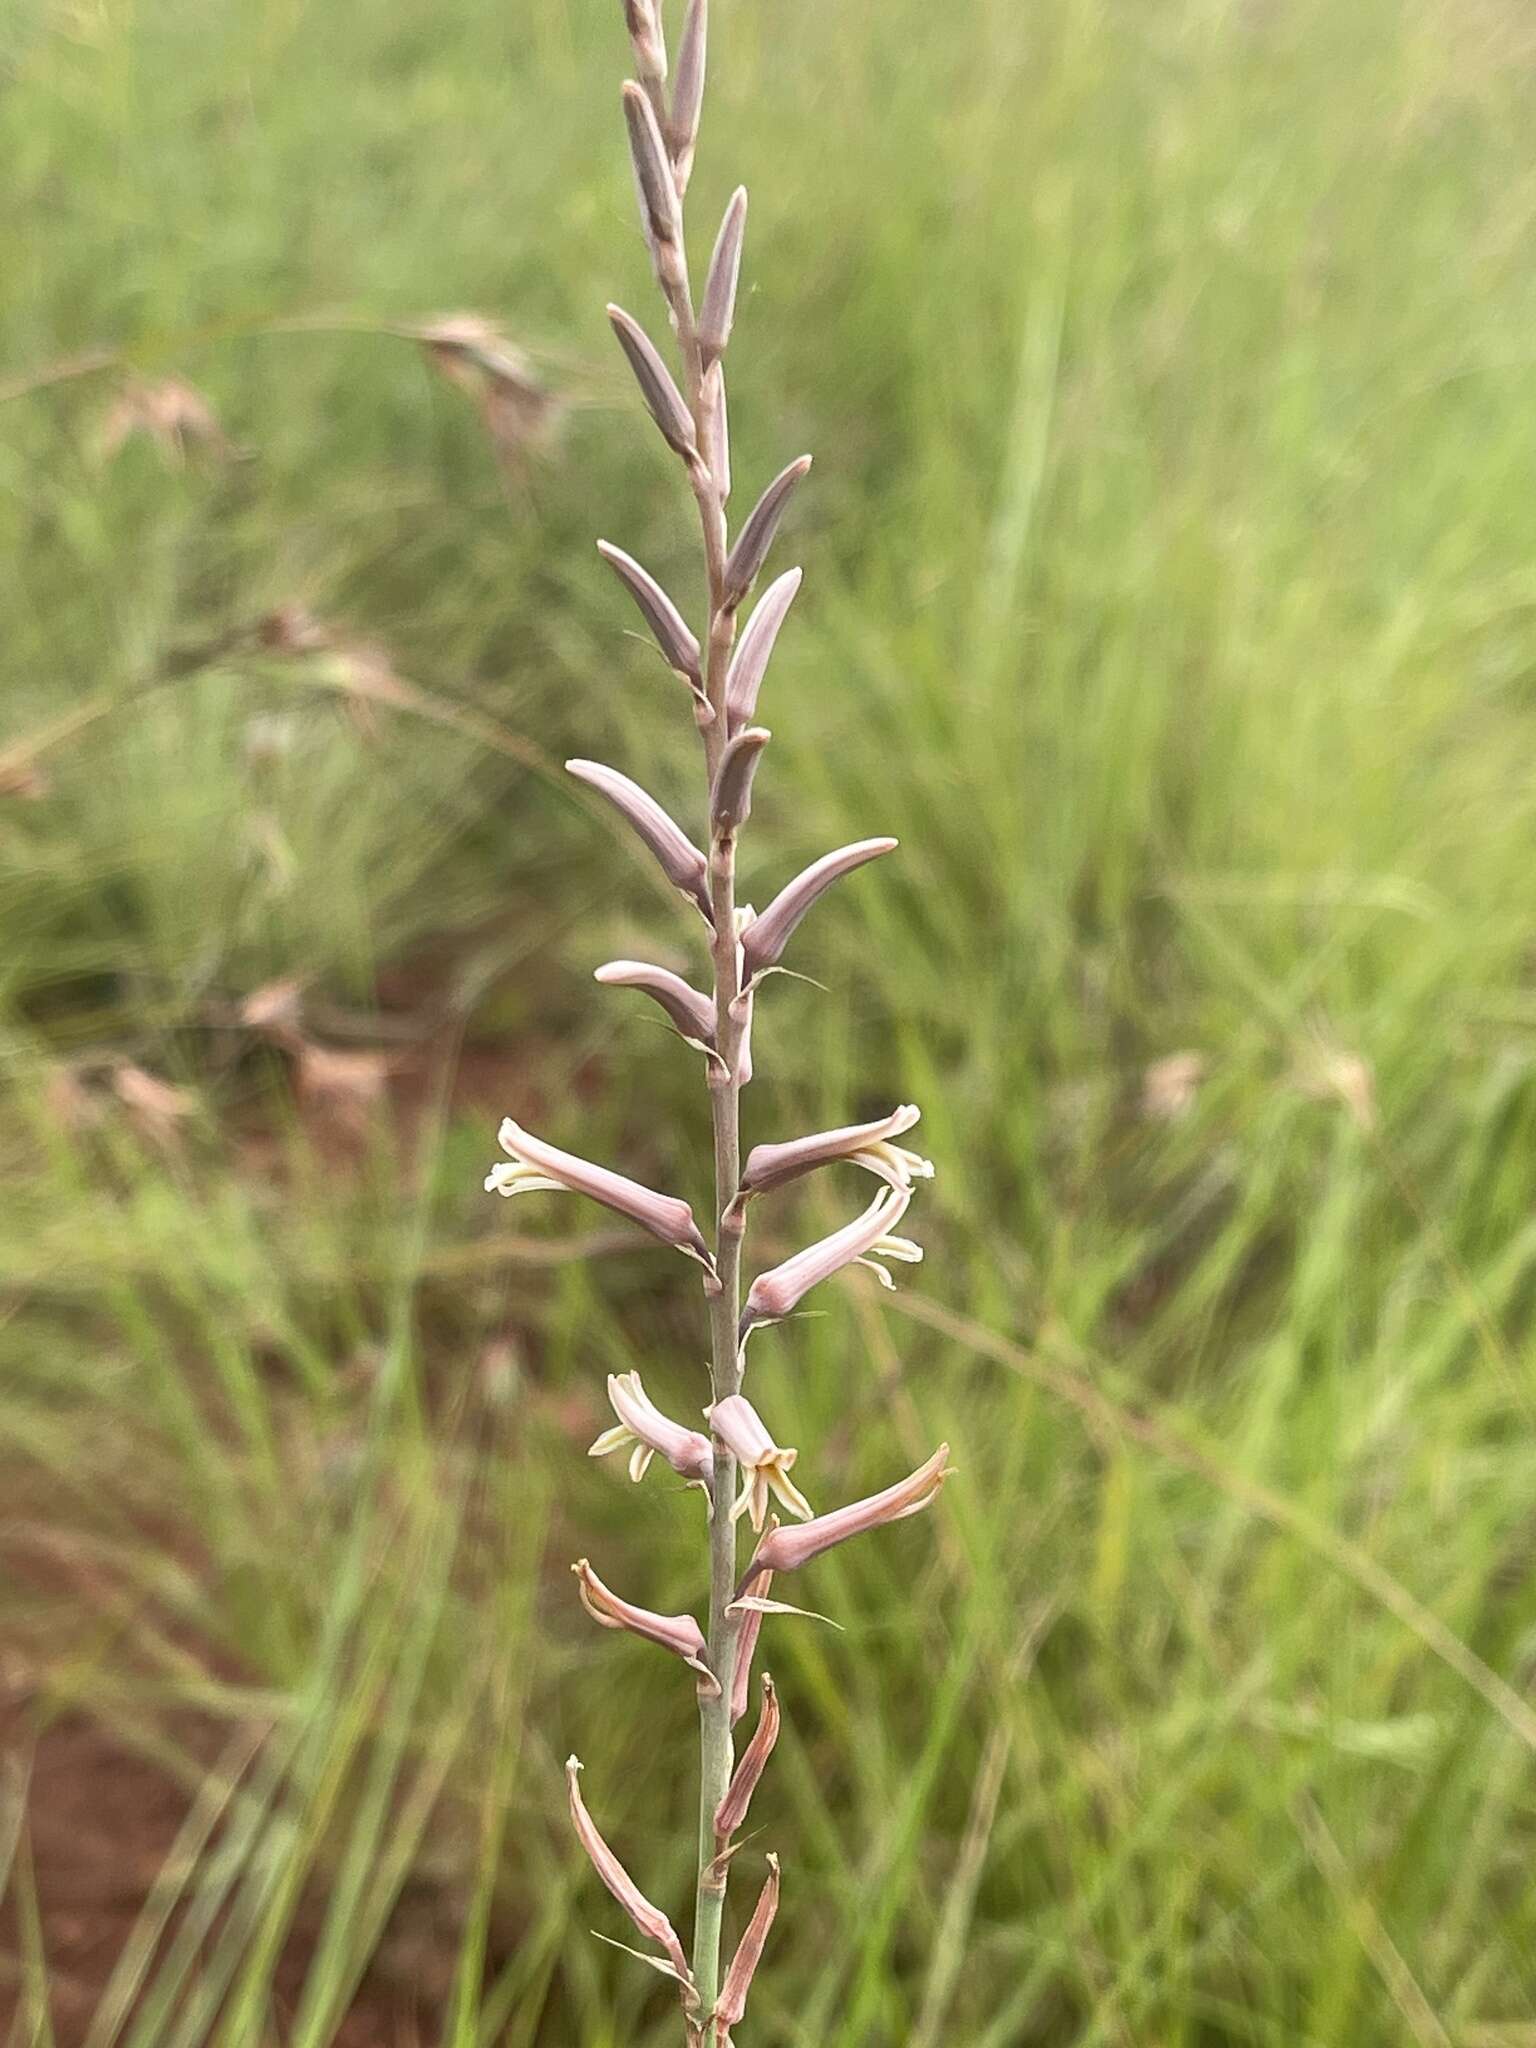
(679, 1633)
(649, 1919)
(732, 1810)
(679, 646)
(536, 1165)
(756, 536)
(750, 1629)
(660, 213)
(738, 1978)
(642, 1425)
(764, 940)
(763, 1463)
(688, 91)
(730, 802)
(784, 1550)
(866, 1145)
(680, 860)
(718, 309)
(692, 1013)
(750, 662)
(867, 1239)
(663, 399)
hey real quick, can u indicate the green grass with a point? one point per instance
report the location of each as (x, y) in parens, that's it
(1170, 591)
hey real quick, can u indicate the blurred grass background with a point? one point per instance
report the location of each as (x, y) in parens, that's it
(1171, 591)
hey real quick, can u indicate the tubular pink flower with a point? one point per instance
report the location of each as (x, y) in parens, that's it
(786, 1549)
(649, 1919)
(679, 1633)
(763, 1464)
(749, 664)
(692, 1013)
(866, 1145)
(676, 855)
(732, 1810)
(765, 938)
(738, 1979)
(642, 1425)
(776, 1293)
(536, 1165)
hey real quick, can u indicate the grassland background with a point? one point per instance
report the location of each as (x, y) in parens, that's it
(1171, 592)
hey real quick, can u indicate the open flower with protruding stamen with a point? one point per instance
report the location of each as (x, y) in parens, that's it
(647, 1433)
(763, 1464)
(784, 1549)
(866, 1145)
(535, 1165)
(863, 1242)
(679, 1633)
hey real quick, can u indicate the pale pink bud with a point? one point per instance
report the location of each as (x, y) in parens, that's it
(678, 643)
(691, 1012)
(864, 1241)
(757, 532)
(642, 1425)
(682, 125)
(679, 859)
(536, 1165)
(785, 1549)
(679, 1633)
(663, 400)
(749, 663)
(730, 801)
(763, 1464)
(649, 1919)
(866, 1145)
(660, 214)
(732, 1810)
(718, 308)
(738, 1978)
(764, 940)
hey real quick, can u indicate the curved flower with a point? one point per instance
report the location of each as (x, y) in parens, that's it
(642, 1425)
(649, 1919)
(749, 1953)
(536, 1165)
(764, 939)
(868, 1238)
(763, 1464)
(784, 1549)
(679, 1633)
(692, 1013)
(867, 1145)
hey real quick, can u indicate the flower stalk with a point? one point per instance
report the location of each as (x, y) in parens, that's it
(739, 1464)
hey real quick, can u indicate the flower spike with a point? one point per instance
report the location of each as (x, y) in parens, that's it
(642, 1426)
(763, 1464)
(679, 1633)
(866, 1145)
(785, 1549)
(649, 1919)
(765, 938)
(536, 1165)
(776, 1293)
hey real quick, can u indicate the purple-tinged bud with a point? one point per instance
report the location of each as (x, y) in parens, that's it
(642, 1425)
(763, 1464)
(679, 1633)
(756, 536)
(649, 1919)
(764, 940)
(655, 187)
(730, 801)
(719, 430)
(663, 399)
(536, 1165)
(643, 20)
(718, 308)
(751, 1627)
(750, 662)
(732, 1810)
(691, 1012)
(738, 1978)
(679, 646)
(680, 860)
(682, 127)
(786, 1549)
(866, 1145)
(868, 1238)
